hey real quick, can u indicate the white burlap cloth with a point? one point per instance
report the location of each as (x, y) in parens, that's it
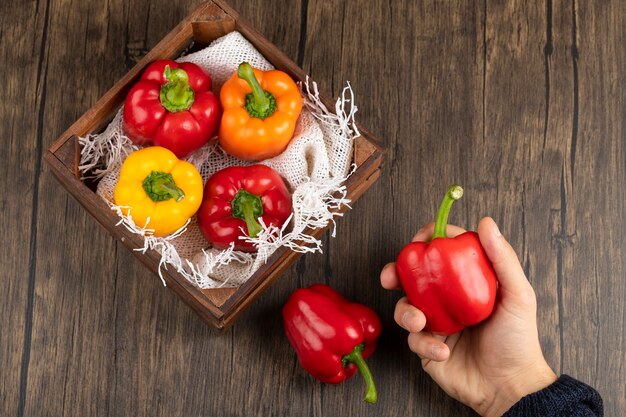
(315, 166)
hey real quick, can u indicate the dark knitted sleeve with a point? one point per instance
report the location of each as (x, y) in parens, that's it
(565, 397)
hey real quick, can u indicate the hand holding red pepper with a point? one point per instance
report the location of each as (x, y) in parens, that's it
(172, 106)
(331, 335)
(450, 279)
(489, 366)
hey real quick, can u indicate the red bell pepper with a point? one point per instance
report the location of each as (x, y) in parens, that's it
(172, 106)
(235, 197)
(450, 280)
(331, 335)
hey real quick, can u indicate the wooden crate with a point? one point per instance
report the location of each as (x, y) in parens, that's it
(211, 20)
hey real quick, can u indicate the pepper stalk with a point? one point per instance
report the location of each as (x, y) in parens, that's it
(160, 186)
(356, 357)
(248, 207)
(176, 94)
(260, 103)
(454, 193)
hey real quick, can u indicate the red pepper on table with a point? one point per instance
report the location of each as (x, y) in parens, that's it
(172, 106)
(450, 280)
(235, 197)
(331, 335)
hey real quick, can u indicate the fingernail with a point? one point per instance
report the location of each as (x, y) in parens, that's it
(435, 351)
(496, 230)
(405, 320)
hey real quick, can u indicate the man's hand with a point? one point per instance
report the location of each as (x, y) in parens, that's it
(492, 365)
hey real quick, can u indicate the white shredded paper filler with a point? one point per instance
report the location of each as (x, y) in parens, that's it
(315, 165)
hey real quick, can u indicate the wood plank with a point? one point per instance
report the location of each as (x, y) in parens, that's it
(593, 210)
(21, 132)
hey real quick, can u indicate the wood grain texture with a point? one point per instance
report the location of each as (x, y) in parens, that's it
(21, 133)
(523, 103)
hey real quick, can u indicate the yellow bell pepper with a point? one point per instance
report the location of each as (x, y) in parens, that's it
(159, 191)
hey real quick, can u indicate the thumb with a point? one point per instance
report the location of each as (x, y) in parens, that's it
(508, 269)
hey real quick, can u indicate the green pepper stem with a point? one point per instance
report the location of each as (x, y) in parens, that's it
(454, 193)
(260, 103)
(356, 357)
(246, 73)
(160, 186)
(176, 94)
(248, 207)
(254, 228)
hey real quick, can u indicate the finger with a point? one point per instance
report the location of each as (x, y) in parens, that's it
(388, 277)
(426, 232)
(428, 347)
(450, 340)
(511, 276)
(409, 317)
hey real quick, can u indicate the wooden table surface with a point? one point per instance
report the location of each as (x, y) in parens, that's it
(523, 103)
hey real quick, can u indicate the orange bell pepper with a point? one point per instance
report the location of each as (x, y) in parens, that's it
(260, 113)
